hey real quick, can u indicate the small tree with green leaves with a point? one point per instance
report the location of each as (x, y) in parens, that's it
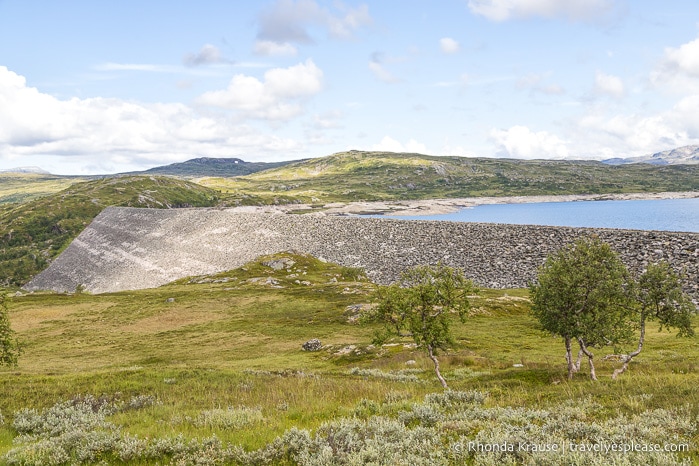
(421, 305)
(9, 347)
(583, 294)
(660, 298)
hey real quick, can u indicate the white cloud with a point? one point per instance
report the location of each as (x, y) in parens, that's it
(449, 45)
(609, 85)
(168, 69)
(388, 144)
(382, 73)
(148, 67)
(535, 82)
(621, 135)
(684, 116)
(678, 71)
(100, 135)
(343, 27)
(271, 48)
(684, 59)
(574, 10)
(289, 21)
(208, 55)
(278, 97)
(376, 65)
(459, 151)
(328, 120)
(522, 143)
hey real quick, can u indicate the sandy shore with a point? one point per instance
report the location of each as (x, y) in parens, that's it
(444, 206)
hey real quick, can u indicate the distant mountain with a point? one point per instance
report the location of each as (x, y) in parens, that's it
(687, 155)
(32, 170)
(208, 166)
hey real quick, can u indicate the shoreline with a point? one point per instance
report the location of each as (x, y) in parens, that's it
(445, 206)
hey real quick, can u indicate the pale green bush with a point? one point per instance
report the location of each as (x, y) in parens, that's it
(438, 431)
(231, 418)
(140, 402)
(405, 375)
(450, 398)
(79, 414)
(393, 397)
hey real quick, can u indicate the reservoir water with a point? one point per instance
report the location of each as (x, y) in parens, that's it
(656, 214)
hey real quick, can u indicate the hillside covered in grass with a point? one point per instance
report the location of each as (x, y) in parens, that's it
(213, 367)
(207, 166)
(25, 187)
(366, 176)
(32, 233)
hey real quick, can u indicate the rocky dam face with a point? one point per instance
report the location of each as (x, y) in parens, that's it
(133, 248)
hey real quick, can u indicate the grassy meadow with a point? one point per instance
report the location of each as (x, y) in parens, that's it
(210, 370)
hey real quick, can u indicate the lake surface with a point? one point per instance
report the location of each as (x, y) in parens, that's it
(657, 214)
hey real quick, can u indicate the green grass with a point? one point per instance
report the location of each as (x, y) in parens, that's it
(25, 187)
(234, 340)
(367, 176)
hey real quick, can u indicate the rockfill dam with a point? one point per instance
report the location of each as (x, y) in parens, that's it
(132, 248)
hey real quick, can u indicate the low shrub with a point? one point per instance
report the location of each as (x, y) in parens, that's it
(405, 375)
(231, 418)
(447, 428)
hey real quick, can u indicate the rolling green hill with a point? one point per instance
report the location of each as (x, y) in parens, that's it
(25, 187)
(354, 176)
(18, 187)
(207, 166)
(32, 233)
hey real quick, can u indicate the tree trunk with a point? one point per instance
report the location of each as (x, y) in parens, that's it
(436, 366)
(578, 361)
(590, 356)
(569, 359)
(630, 356)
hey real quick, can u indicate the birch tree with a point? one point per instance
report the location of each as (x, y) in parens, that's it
(583, 294)
(660, 298)
(421, 305)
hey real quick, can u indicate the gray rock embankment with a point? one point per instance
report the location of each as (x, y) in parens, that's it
(129, 248)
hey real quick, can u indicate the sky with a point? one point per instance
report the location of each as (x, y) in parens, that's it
(92, 87)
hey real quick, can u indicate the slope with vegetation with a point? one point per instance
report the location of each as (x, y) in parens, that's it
(25, 187)
(367, 176)
(33, 233)
(212, 368)
(35, 228)
(207, 166)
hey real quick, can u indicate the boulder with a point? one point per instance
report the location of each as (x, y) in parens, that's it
(312, 345)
